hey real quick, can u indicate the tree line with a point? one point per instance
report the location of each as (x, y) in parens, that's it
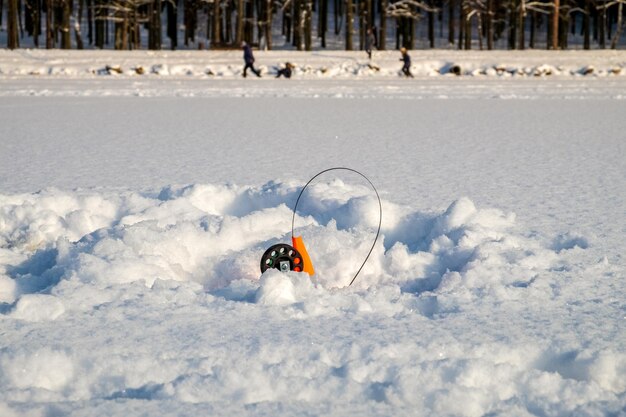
(464, 24)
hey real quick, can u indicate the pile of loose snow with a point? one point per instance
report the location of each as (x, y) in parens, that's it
(118, 296)
(214, 235)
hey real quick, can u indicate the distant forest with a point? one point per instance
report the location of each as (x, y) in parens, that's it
(302, 24)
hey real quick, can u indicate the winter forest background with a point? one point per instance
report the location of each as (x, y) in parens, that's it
(309, 24)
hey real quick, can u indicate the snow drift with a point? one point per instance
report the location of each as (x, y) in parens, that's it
(214, 235)
(174, 261)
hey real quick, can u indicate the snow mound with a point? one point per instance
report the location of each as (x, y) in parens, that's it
(214, 235)
(38, 307)
(124, 296)
(276, 288)
(43, 368)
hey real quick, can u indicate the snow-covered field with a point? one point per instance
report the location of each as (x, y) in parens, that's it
(134, 210)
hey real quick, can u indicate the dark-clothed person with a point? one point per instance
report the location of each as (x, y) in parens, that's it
(248, 59)
(370, 42)
(287, 71)
(406, 68)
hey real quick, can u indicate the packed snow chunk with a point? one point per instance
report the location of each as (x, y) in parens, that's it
(283, 288)
(210, 198)
(44, 368)
(34, 221)
(38, 307)
(457, 214)
(8, 289)
(608, 369)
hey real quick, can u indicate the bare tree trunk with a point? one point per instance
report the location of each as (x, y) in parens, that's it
(133, 39)
(119, 38)
(19, 19)
(512, 32)
(461, 24)
(216, 39)
(586, 25)
(228, 27)
(125, 32)
(49, 24)
(268, 23)
(431, 25)
(610, 18)
(36, 22)
(29, 21)
(239, 25)
(338, 15)
(215, 24)
(563, 32)
(479, 24)
(90, 21)
(154, 33)
(287, 23)
(602, 28)
(489, 24)
(307, 19)
(358, 6)
(248, 26)
(468, 33)
(298, 25)
(66, 39)
(77, 30)
(620, 26)
(172, 24)
(383, 26)
(522, 11)
(322, 26)
(100, 24)
(555, 25)
(594, 22)
(151, 24)
(451, 22)
(13, 41)
(191, 20)
(349, 25)
(396, 20)
(297, 22)
(533, 29)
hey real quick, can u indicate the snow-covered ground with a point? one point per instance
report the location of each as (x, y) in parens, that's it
(134, 210)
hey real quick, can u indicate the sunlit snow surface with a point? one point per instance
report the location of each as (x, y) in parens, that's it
(133, 215)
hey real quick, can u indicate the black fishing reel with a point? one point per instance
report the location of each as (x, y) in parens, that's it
(282, 257)
(296, 258)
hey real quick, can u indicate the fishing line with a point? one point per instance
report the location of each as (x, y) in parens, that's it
(380, 211)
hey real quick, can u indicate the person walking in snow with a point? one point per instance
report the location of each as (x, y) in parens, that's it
(370, 42)
(248, 59)
(406, 68)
